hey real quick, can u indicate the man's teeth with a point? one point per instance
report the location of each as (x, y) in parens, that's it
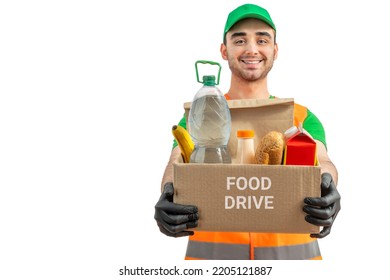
(251, 62)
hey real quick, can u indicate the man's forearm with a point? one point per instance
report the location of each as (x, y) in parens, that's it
(326, 164)
(328, 167)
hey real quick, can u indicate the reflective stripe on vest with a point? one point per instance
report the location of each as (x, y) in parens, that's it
(217, 251)
(226, 251)
(293, 252)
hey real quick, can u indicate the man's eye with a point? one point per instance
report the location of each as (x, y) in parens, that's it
(239, 42)
(262, 41)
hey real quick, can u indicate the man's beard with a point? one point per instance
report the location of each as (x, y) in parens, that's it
(250, 75)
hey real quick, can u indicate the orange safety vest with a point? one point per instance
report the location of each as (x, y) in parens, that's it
(254, 246)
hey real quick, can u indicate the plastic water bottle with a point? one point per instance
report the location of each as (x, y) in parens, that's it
(209, 124)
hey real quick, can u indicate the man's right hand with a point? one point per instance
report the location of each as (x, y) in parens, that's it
(174, 219)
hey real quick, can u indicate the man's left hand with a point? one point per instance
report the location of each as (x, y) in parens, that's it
(322, 211)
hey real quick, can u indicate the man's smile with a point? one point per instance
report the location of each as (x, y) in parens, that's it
(251, 61)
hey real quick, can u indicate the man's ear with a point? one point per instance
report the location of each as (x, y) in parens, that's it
(223, 51)
(276, 51)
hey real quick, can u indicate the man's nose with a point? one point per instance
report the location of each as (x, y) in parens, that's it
(252, 47)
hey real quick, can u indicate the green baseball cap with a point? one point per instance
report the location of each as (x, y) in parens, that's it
(247, 11)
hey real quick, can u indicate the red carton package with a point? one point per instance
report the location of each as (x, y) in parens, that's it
(300, 147)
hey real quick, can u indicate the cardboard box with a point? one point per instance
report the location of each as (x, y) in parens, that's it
(250, 197)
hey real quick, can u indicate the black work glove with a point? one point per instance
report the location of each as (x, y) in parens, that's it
(174, 219)
(323, 210)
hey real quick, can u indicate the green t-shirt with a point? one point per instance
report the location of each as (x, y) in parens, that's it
(314, 126)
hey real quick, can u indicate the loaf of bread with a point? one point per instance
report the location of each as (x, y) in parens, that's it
(270, 148)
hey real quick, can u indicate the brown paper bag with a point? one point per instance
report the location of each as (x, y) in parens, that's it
(260, 115)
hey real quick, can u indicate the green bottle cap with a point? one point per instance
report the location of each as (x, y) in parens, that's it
(209, 80)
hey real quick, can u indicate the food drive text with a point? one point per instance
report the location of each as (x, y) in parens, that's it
(255, 184)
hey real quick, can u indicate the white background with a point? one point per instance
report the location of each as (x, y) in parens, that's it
(89, 91)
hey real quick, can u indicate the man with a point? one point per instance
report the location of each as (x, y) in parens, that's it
(249, 45)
